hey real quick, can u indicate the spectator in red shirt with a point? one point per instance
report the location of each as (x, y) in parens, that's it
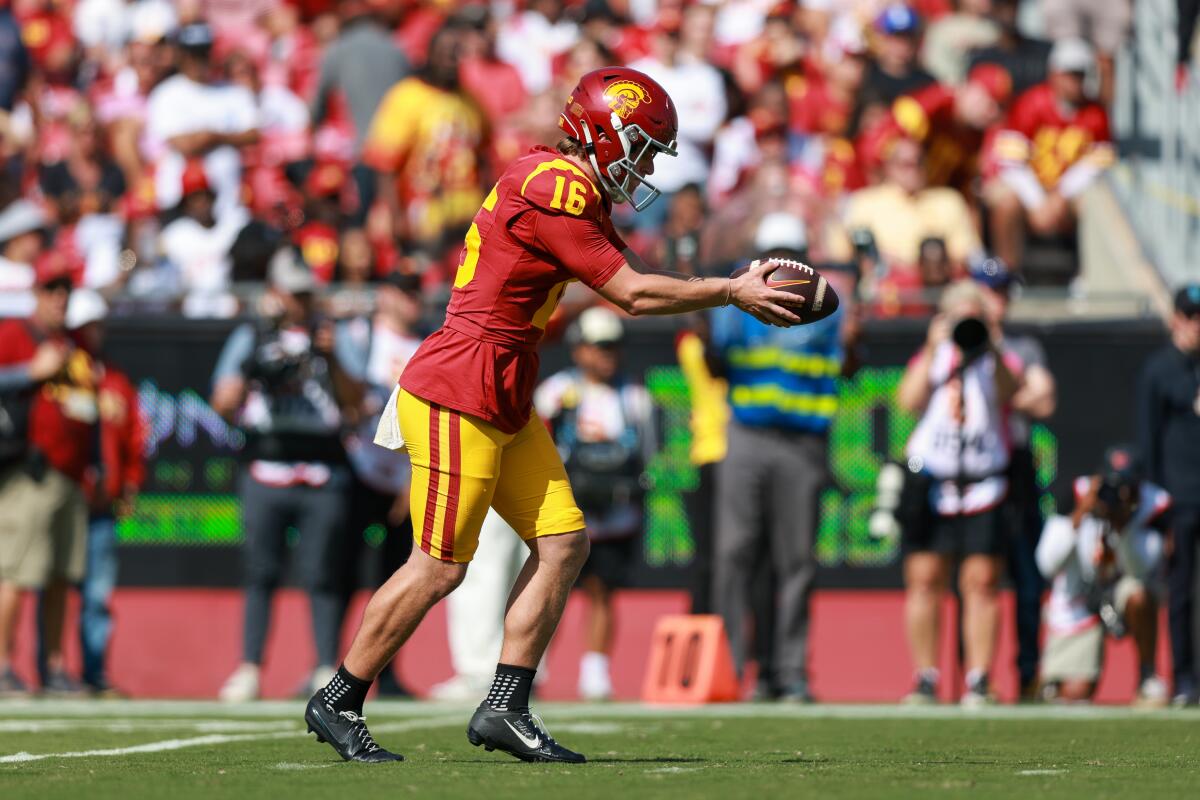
(823, 101)
(950, 122)
(48, 389)
(495, 84)
(317, 238)
(1053, 145)
(112, 482)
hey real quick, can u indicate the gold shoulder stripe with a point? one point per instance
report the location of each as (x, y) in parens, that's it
(558, 163)
(490, 202)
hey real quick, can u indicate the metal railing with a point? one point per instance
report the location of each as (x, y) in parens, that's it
(1158, 132)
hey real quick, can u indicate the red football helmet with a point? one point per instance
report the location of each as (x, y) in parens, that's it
(619, 115)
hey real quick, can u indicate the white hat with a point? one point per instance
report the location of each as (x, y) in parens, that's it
(781, 230)
(1072, 55)
(84, 307)
(597, 326)
(21, 216)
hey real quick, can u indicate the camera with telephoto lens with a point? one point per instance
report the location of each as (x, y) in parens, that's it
(276, 364)
(971, 336)
(1114, 491)
(274, 367)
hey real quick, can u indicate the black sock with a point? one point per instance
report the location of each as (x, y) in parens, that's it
(344, 692)
(510, 688)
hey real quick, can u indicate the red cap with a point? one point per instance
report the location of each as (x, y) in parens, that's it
(994, 79)
(326, 179)
(194, 179)
(52, 266)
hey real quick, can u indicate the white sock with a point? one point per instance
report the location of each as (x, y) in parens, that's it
(594, 680)
(1025, 185)
(1077, 178)
(593, 664)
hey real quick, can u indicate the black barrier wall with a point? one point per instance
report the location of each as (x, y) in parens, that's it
(186, 527)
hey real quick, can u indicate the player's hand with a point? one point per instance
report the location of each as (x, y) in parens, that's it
(750, 292)
(939, 331)
(48, 361)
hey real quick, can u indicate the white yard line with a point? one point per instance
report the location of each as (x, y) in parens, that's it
(214, 739)
(277, 709)
(1042, 772)
(34, 725)
(149, 747)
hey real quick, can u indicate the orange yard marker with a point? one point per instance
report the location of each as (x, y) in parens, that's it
(690, 662)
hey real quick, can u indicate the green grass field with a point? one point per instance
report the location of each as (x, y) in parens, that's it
(134, 750)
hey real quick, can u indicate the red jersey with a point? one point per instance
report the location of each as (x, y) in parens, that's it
(951, 147)
(63, 410)
(927, 116)
(813, 108)
(1039, 133)
(543, 225)
(122, 435)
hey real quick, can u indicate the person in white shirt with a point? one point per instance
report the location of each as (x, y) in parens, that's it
(603, 425)
(1103, 562)
(698, 91)
(197, 245)
(531, 39)
(960, 384)
(188, 116)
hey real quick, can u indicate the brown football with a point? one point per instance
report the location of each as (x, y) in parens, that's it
(816, 299)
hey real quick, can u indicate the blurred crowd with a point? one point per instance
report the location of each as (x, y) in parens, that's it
(161, 152)
(311, 168)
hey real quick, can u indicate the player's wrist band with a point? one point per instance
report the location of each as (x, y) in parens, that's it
(728, 292)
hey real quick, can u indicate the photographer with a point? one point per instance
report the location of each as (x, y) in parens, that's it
(1036, 401)
(960, 383)
(291, 384)
(1103, 562)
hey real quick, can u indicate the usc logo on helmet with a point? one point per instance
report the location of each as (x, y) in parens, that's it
(625, 96)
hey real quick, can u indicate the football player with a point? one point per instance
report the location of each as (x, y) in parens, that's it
(463, 408)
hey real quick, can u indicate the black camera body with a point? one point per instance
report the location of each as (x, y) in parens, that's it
(972, 337)
(275, 367)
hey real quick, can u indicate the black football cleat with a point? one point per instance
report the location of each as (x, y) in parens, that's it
(346, 732)
(519, 734)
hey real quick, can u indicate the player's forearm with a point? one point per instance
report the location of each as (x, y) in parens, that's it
(666, 293)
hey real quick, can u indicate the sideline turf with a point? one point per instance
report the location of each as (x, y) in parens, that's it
(728, 751)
